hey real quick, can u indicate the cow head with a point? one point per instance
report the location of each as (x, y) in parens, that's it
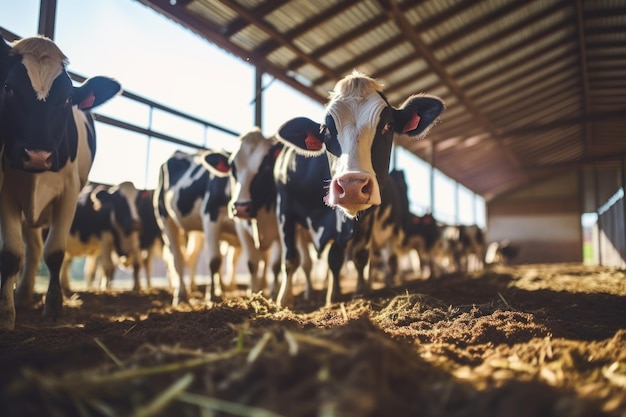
(357, 135)
(119, 201)
(38, 100)
(252, 179)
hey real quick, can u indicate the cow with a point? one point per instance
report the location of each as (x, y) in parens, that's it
(192, 195)
(424, 235)
(469, 251)
(356, 136)
(253, 206)
(301, 186)
(106, 226)
(49, 145)
(150, 237)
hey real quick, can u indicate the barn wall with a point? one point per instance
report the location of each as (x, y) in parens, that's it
(542, 220)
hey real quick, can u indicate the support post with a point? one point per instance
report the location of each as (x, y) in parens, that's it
(47, 17)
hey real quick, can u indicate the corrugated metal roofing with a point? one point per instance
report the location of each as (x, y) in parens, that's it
(532, 87)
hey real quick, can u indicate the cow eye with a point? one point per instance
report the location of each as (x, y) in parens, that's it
(68, 102)
(387, 128)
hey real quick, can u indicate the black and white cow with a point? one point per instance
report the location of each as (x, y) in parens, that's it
(357, 136)
(301, 186)
(253, 205)
(192, 195)
(106, 226)
(49, 146)
(150, 237)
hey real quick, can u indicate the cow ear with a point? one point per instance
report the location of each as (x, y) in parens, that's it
(303, 135)
(217, 163)
(417, 115)
(95, 91)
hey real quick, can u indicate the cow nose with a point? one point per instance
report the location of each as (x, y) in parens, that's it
(37, 159)
(354, 188)
(242, 210)
(354, 192)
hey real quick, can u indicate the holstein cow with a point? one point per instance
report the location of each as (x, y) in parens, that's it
(150, 236)
(49, 147)
(192, 196)
(301, 187)
(357, 135)
(106, 226)
(253, 205)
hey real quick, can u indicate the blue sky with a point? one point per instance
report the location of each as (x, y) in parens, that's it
(158, 59)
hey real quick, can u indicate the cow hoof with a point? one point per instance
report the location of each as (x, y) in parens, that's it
(24, 300)
(53, 307)
(7, 319)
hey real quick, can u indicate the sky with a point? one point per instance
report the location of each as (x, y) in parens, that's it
(158, 59)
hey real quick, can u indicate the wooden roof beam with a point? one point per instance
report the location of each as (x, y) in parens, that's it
(276, 36)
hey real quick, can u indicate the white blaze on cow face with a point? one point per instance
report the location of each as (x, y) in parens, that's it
(357, 136)
(355, 110)
(245, 163)
(42, 66)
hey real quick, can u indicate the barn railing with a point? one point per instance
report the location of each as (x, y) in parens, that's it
(152, 105)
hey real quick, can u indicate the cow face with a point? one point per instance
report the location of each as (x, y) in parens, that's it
(252, 179)
(38, 102)
(357, 136)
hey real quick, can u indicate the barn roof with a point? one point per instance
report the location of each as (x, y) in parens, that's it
(532, 88)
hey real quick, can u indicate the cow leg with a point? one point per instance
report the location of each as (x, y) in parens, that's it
(53, 306)
(336, 258)
(234, 254)
(214, 255)
(290, 263)
(9, 267)
(89, 270)
(305, 262)
(65, 274)
(175, 262)
(276, 264)
(147, 266)
(195, 243)
(26, 285)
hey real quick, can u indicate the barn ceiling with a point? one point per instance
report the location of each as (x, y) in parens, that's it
(532, 88)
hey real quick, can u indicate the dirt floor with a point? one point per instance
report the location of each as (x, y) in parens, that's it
(540, 340)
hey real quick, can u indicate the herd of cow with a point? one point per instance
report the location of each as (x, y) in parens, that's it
(326, 186)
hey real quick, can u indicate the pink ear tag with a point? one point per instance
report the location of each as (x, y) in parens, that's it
(312, 143)
(87, 102)
(412, 123)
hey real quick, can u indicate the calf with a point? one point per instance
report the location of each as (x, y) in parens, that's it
(106, 224)
(49, 146)
(357, 135)
(192, 195)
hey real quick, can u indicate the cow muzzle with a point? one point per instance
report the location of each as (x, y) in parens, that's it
(36, 159)
(242, 210)
(354, 192)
